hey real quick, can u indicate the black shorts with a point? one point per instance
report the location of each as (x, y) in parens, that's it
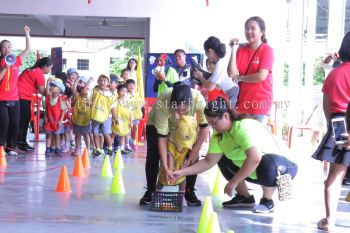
(266, 171)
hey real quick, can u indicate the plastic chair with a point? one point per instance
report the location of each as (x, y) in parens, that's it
(272, 123)
(303, 126)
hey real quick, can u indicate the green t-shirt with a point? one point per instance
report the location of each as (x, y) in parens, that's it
(170, 76)
(163, 118)
(243, 135)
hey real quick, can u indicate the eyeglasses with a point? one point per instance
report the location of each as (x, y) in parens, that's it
(214, 123)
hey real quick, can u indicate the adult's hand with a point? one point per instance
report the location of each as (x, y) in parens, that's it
(192, 157)
(330, 57)
(174, 175)
(230, 186)
(27, 30)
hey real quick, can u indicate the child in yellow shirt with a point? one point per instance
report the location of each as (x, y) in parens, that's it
(122, 119)
(102, 104)
(135, 104)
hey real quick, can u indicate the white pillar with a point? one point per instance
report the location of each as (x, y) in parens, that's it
(309, 55)
(294, 59)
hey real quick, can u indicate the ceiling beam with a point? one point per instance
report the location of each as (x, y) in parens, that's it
(54, 24)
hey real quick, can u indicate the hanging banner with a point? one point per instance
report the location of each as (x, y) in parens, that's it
(56, 57)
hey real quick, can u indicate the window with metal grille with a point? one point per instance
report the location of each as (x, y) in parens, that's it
(83, 64)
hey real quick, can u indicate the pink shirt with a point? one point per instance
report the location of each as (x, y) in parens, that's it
(255, 98)
(337, 88)
(9, 84)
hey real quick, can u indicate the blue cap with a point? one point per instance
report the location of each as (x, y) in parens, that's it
(113, 78)
(59, 84)
(71, 71)
(83, 79)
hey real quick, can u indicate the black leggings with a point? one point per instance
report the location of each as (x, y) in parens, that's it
(266, 171)
(152, 161)
(9, 123)
(24, 119)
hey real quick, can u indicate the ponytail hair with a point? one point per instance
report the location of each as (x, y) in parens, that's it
(41, 63)
(215, 44)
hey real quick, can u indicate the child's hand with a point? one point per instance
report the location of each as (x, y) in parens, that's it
(174, 175)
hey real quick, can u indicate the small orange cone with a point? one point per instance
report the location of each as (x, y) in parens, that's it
(86, 159)
(78, 167)
(3, 162)
(63, 183)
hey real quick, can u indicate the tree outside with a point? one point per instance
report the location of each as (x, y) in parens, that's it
(132, 48)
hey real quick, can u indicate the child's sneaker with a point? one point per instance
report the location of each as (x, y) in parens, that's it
(65, 148)
(129, 150)
(75, 153)
(124, 152)
(48, 152)
(58, 152)
(97, 154)
(109, 152)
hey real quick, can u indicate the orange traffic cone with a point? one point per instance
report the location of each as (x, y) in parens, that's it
(3, 162)
(86, 159)
(78, 167)
(63, 183)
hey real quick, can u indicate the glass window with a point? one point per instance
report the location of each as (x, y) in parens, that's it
(347, 17)
(322, 19)
(83, 64)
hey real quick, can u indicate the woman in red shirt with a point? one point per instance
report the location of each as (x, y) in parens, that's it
(30, 82)
(251, 65)
(336, 96)
(9, 104)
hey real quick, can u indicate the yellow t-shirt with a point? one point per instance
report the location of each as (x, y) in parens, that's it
(122, 112)
(164, 119)
(82, 111)
(135, 103)
(101, 105)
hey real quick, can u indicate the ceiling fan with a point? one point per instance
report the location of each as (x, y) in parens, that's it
(103, 24)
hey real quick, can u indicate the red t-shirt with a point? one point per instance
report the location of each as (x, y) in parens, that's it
(9, 84)
(255, 98)
(29, 82)
(337, 88)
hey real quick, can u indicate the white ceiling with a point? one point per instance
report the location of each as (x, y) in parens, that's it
(74, 26)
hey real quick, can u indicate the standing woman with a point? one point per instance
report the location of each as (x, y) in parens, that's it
(251, 65)
(336, 96)
(9, 100)
(30, 82)
(132, 67)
